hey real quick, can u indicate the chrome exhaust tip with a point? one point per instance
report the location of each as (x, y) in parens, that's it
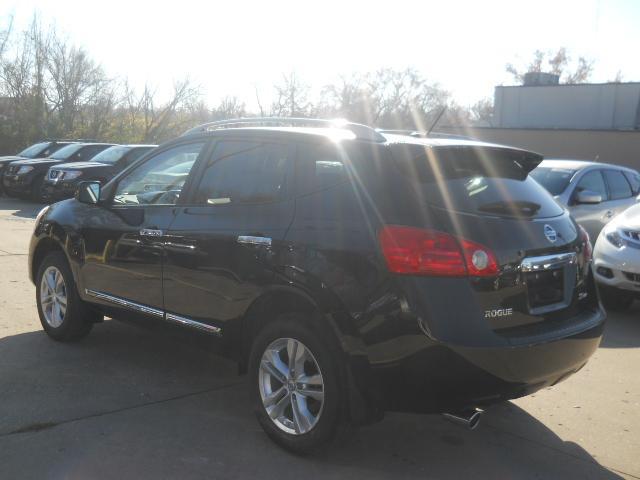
(467, 418)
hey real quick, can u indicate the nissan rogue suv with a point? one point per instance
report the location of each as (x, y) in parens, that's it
(348, 272)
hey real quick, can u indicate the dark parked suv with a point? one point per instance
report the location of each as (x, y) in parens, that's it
(24, 178)
(62, 180)
(348, 272)
(37, 150)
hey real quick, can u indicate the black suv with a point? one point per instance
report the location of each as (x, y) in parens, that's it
(37, 150)
(24, 178)
(348, 272)
(62, 180)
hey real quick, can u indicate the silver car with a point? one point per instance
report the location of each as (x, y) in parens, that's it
(594, 192)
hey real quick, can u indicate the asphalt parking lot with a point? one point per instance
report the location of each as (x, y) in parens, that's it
(132, 403)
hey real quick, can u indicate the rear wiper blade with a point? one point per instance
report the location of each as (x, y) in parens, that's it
(516, 208)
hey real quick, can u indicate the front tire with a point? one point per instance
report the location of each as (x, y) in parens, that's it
(63, 315)
(295, 384)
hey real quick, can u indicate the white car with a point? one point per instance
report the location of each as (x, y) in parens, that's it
(616, 258)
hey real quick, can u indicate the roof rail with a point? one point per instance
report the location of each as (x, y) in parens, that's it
(362, 132)
(419, 134)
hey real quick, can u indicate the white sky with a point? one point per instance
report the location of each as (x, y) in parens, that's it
(230, 47)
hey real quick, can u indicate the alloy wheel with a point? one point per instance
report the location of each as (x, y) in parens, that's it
(291, 386)
(53, 297)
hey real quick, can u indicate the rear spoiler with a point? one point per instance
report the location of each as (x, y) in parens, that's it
(526, 159)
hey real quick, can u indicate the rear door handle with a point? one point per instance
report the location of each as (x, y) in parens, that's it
(251, 240)
(150, 232)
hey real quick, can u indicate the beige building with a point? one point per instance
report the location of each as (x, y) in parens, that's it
(586, 121)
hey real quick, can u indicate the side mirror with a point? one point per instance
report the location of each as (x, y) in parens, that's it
(88, 192)
(589, 197)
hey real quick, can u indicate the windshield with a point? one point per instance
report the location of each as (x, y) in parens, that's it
(111, 155)
(484, 180)
(555, 180)
(34, 150)
(66, 152)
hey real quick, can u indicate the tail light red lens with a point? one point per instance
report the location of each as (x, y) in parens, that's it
(587, 249)
(416, 251)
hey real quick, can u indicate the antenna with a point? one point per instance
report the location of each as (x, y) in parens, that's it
(436, 120)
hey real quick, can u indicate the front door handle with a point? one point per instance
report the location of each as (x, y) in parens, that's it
(150, 232)
(251, 240)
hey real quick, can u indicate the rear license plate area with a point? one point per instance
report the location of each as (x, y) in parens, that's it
(545, 288)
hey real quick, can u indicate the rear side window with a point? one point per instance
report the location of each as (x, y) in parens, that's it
(480, 180)
(242, 172)
(634, 180)
(619, 188)
(593, 182)
(321, 166)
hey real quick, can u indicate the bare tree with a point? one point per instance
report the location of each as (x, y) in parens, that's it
(558, 62)
(292, 97)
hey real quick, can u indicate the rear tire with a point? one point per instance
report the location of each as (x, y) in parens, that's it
(616, 300)
(301, 407)
(63, 315)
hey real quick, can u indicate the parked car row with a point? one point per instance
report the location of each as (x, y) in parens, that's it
(51, 171)
(603, 198)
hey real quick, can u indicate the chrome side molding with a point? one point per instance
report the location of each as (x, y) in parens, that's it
(138, 307)
(548, 262)
(189, 322)
(169, 317)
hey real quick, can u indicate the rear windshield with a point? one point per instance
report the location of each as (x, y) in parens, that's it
(484, 180)
(555, 180)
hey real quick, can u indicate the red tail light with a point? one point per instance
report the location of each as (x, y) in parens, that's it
(416, 251)
(587, 249)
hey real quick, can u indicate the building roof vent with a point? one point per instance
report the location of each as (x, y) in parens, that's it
(533, 79)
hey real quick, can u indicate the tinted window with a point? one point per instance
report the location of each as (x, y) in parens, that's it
(618, 186)
(555, 180)
(159, 180)
(321, 167)
(634, 180)
(136, 153)
(244, 172)
(89, 152)
(66, 152)
(593, 182)
(475, 180)
(34, 150)
(111, 155)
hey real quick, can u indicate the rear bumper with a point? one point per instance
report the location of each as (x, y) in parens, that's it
(437, 377)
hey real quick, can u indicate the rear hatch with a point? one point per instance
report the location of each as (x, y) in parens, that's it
(483, 193)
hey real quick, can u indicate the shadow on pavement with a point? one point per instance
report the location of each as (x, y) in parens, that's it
(623, 329)
(129, 403)
(22, 208)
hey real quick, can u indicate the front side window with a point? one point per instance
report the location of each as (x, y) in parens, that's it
(243, 172)
(593, 182)
(158, 181)
(618, 185)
